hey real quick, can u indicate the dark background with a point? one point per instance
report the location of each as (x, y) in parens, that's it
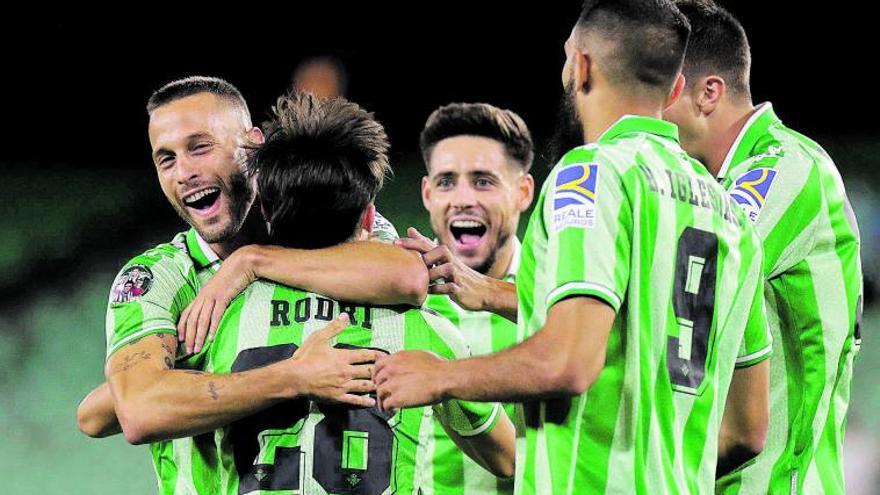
(79, 194)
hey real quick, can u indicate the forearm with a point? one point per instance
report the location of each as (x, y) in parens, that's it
(564, 358)
(96, 416)
(359, 272)
(494, 450)
(170, 403)
(502, 300)
(746, 416)
(521, 373)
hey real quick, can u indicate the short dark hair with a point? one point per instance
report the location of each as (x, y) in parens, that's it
(322, 163)
(718, 45)
(188, 86)
(479, 119)
(645, 39)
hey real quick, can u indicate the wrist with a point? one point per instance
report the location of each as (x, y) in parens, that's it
(449, 387)
(490, 292)
(292, 383)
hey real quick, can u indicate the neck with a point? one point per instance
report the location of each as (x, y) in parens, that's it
(252, 231)
(503, 259)
(597, 116)
(722, 131)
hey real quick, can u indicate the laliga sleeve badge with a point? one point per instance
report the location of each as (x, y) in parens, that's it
(132, 283)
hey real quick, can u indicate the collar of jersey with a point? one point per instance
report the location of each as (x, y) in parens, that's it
(754, 128)
(638, 123)
(199, 250)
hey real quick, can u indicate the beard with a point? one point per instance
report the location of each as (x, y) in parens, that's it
(240, 193)
(487, 264)
(569, 131)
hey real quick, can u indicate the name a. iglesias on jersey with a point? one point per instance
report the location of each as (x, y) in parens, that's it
(693, 190)
(318, 308)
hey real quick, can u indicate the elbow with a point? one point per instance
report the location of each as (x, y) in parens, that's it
(87, 424)
(135, 425)
(754, 439)
(504, 469)
(571, 377)
(133, 428)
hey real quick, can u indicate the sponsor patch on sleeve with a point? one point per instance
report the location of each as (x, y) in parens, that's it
(574, 196)
(750, 190)
(132, 283)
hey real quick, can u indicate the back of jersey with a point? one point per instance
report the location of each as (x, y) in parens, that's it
(633, 221)
(314, 448)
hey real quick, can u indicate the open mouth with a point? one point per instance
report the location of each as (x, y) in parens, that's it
(468, 233)
(203, 201)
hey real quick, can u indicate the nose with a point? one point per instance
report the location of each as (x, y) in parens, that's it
(185, 170)
(464, 196)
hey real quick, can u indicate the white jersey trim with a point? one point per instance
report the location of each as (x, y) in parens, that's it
(725, 165)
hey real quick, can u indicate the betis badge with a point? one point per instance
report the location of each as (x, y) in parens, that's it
(133, 282)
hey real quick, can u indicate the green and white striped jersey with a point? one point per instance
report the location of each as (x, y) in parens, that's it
(794, 194)
(453, 471)
(633, 221)
(309, 448)
(147, 297)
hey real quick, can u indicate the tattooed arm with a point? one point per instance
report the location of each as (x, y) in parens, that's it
(154, 402)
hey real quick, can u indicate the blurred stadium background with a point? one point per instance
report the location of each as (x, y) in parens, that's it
(79, 195)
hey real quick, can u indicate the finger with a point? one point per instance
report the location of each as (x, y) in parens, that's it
(443, 271)
(204, 323)
(216, 316)
(360, 386)
(383, 394)
(357, 400)
(333, 329)
(380, 365)
(362, 356)
(414, 233)
(437, 256)
(191, 326)
(380, 376)
(445, 289)
(364, 371)
(414, 244)
(181, 324)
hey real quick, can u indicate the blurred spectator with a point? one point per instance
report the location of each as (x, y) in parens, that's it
(324, 76)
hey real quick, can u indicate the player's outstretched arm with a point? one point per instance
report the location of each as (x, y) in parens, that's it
(494, 450)
(563, 358)
(154, 402)
(746, 416)
(96, 416)
(359, 272)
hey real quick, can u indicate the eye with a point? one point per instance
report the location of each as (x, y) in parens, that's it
(165, 162)
(200, 148)
(444, 182)
(483, 183)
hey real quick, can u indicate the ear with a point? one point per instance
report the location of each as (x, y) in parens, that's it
(526, 192)
(582, 65)
(368, 218)
(255, 136)
(675, 94)
(710, 90)
(426, 192)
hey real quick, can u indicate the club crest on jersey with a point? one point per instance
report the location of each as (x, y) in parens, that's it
(574, 197)
(131, 284)
(750, 190)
